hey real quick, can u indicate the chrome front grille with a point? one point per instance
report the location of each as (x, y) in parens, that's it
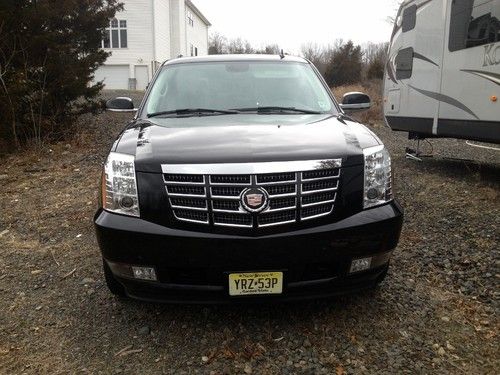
(212, 194)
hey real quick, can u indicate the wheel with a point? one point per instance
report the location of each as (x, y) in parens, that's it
(113, 285)
(382, 276)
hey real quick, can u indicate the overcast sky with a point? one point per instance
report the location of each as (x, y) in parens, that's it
(290, 23)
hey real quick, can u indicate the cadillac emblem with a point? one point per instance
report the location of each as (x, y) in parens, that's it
(254, 200)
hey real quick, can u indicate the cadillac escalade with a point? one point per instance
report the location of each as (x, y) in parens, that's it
(241, 178)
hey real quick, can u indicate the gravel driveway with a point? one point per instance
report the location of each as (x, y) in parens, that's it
(435, 313)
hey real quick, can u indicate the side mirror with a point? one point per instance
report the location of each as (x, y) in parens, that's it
(120, 104)
(356, 101)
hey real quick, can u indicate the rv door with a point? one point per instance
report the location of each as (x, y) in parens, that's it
(413, 75)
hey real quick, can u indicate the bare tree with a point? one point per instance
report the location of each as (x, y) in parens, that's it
(271, 49)
(313, 52)
(217, 44)
(374, 58)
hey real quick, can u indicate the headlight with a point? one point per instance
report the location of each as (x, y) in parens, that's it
(378, 177)
(119, 190)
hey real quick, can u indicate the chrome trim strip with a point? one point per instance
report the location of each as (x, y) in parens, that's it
(226, 197)
(252, 168)
(284, 195)
(316, 216)
(192, 221)
(289, 182)
(319, 191)
(229, 212)
(317, 203)
(229, 183)
(288, 208)
(277, 223)
(239, 212)
(185, 183)
(232, 225)
(186, 195)
(189, 208)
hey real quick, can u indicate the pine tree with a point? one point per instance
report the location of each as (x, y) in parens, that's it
(345, 66)
(49, 52)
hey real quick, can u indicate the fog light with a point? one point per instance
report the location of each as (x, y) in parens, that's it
(127, 202)
(372, 193)
(144, 273)
(359, 265)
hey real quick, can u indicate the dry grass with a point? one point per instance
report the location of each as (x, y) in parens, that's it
(374, 89)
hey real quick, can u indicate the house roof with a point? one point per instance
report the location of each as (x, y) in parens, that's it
(196, 11)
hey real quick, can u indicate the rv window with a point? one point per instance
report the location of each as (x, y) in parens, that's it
(404, 63)
(409, 18)
(474, 23)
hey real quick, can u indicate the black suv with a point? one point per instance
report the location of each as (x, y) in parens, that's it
(242, 179)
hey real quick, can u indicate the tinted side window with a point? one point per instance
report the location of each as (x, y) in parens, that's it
(404, 63)
(474, 23)
(409, 18)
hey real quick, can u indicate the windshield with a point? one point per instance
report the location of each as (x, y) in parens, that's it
(243, 86)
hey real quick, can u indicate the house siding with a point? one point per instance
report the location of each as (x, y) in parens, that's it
(197, 35)
(178, 27)
(138, 14)
(162, 29)
(157, 30)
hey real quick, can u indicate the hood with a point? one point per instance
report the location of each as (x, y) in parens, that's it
(244, 138)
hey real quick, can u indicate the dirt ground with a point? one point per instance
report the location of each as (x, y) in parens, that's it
(437, 312)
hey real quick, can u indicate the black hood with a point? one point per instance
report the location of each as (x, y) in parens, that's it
(244, 138)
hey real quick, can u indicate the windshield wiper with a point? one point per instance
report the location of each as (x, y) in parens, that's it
(270, 109)
(193, 111)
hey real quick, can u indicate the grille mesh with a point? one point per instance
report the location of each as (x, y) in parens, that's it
(188, 202)
(318, 197)
(226, 191)
(277, 217)
(278, 203)
(215, 199)
(189, 178)
(219, 204)
(319, 185)
(230, 179)
(281, 189)
(276, 177)
(315, 211)
(321, 173)
(190, 215)
(185, 190)
(233, 219)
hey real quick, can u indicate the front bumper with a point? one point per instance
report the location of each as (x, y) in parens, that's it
(194, 267)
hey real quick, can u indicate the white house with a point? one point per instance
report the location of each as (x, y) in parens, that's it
(146, 33)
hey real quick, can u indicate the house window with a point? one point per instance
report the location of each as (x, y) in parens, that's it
(192, 50)
(115, 35)
(409, 18)
(404, 64)
(190, 18)
(474, 23)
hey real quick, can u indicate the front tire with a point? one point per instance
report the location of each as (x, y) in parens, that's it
(113, 285)
(382, 276)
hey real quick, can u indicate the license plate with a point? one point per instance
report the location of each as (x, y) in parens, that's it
(255, 283)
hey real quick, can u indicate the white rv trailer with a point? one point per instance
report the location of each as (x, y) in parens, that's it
(442, 77)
